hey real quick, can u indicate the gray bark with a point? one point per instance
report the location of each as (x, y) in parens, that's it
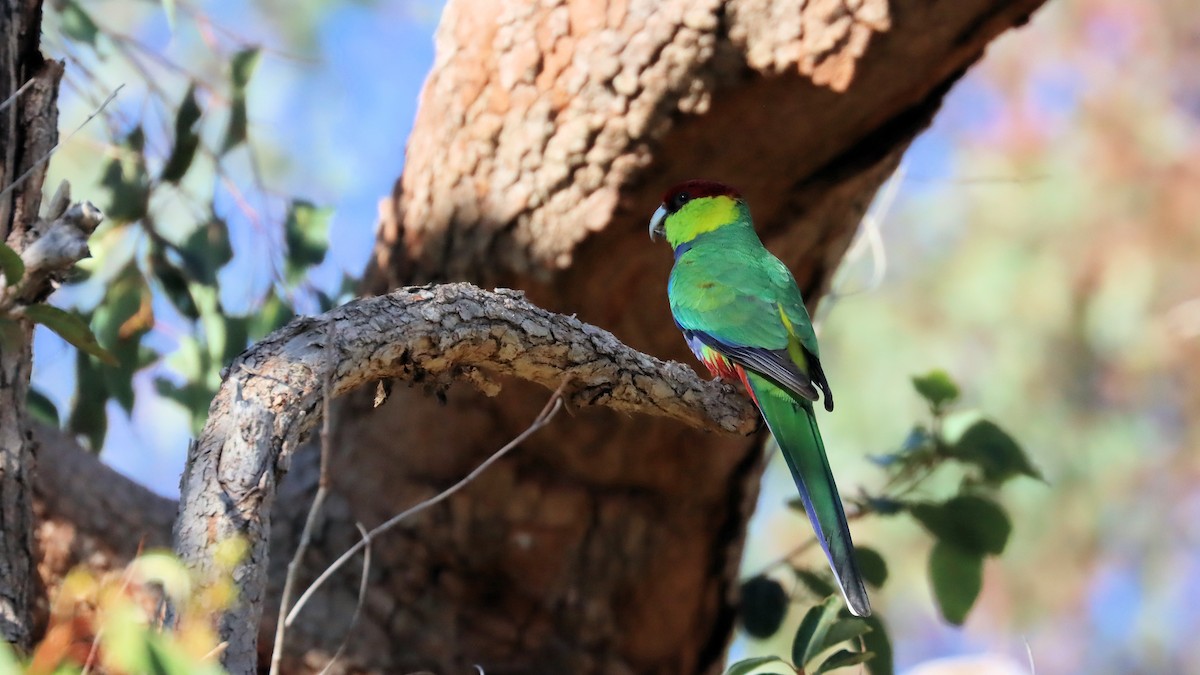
(28, 129)
(272, 397)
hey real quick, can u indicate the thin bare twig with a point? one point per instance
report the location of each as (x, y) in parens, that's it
(16, 94)
(548, 412)
(293, 568)
(362, 597)
(46, 157)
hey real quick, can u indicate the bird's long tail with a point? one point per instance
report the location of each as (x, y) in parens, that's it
(794, 427)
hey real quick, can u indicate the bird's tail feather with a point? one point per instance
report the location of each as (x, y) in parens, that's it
(794, 427)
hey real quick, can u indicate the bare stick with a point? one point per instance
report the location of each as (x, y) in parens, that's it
(293, 568)
(16, 94)
(548, 412)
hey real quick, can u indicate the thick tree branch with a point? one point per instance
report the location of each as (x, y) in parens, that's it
(271, 398)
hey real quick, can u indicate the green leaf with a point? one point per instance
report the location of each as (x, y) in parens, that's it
(872, 565)
(763, 606)
(817, 584)
(936, 388)
(995, 452)
(194, 397)
(306, 233)
(174, 284)
(810, 636)
(880, 646)
(273, 314)
(971, 522)
(121, 320)
(843, 659)
(187, 140)
(70, 328)
(206, 251)
(88, 418)
(844, 630)
(957, 577)
(127, 181)
(241, 69)
(11, 265)
(77, 24)
(747, 666)
(41, 408)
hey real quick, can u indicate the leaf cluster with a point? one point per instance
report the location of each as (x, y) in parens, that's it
(966, 526)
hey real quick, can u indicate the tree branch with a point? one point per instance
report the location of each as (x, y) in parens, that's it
(271, 398)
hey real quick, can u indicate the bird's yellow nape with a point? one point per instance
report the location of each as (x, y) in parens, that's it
(699, 216)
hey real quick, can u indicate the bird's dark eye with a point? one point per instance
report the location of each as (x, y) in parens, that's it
(679, 200)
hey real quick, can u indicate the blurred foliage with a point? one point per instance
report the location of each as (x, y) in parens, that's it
(1043, 249)
(112, 622)
(967, 526)
(160, 255)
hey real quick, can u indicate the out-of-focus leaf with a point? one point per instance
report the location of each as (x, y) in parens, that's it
(878, 643)
(70, 328)
(306, 233)
(918, 442)
(810, 635)
(971, 522)
(885, 506)
(818, 585)
(87, 410)
(763, 606)
(164, 569)
(843, 659)
(11, 265)
(195, 398)
(872, 565)
(936, 388)
(995, 452)
(957, 577)
(186, 138)
(78, 24)
(747, 666)
(127, 181)
(273, 314)
(121, 320)
(41, 408)
(241, 69)
(206, 251)
(174, 284)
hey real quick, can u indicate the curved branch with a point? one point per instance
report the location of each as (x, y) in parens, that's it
(271, 398)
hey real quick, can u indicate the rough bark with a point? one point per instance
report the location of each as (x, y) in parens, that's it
(545, 135)
(28, 129)
(272, 397)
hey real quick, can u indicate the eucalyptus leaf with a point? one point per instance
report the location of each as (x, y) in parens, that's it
(11, 265)
(998, 456)
(957, 578)
(747, 666)
(937, 388)
(843, 659)
(972, 522)
(872, 565)
(70, 328)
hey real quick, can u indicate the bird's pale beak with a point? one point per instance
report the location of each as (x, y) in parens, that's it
(656, 223)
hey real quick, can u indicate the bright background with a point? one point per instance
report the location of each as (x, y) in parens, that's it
(1042, 247)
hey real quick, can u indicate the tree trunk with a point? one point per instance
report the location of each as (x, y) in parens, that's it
(610, 542)
(28, 129)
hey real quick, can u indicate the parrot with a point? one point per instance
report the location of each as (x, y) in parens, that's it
(742, 315)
